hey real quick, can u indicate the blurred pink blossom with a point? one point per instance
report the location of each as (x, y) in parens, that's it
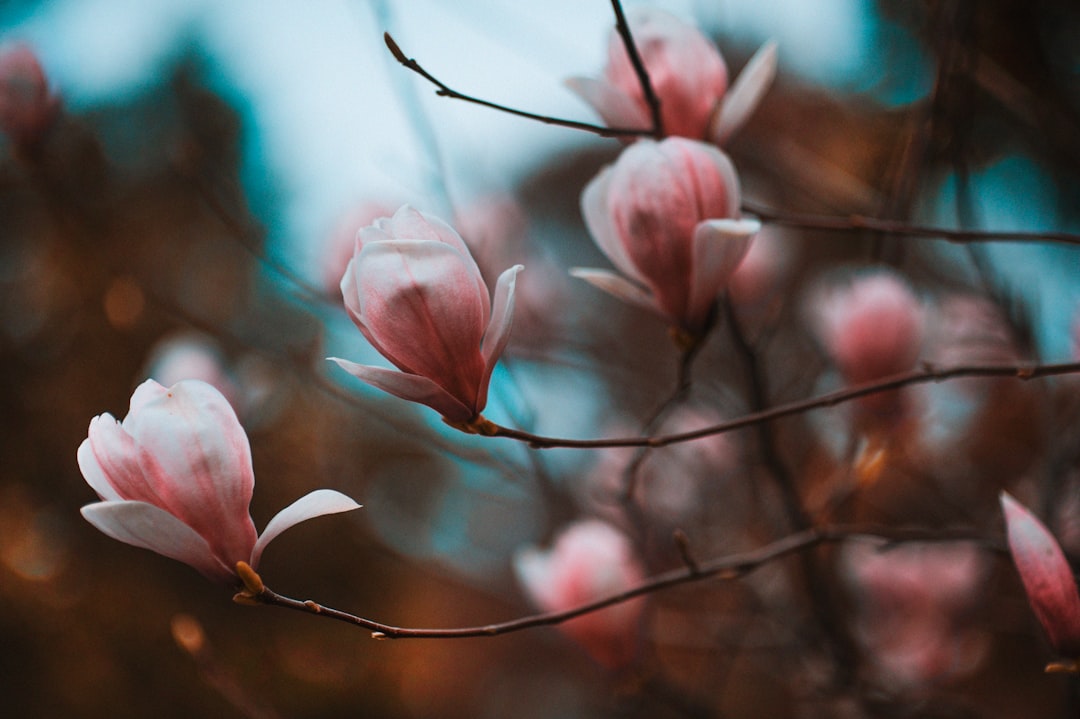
(688, 75)
(190, 355)
(27, 108)
(871, 327)
(914, 605)
(417, 295)
(1048, 579)
(665, 215)
(175, 477)
(590, 560)
(672, 484)
(495, 229)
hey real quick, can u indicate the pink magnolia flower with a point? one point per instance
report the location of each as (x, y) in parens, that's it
(175, 477)
(1047, 577)
(26, 106)
(688, 75)
(872, 327)
(590, 560)
(913, 608)
(418, 297)
(665, 215)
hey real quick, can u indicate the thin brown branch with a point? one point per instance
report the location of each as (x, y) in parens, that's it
(929, 373)
(446, 91)
(724, 568)
(861, 223)
(647, 91)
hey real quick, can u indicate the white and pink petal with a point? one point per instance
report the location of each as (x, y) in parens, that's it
(718, 248)
(411, 387)
(195, 456)
(618, 286)
(498, 330)
(319, 503)
(425, 312)
(148, 527)
(1047, 577)
(745, 94)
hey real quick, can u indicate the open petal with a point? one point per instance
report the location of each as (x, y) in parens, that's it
(745, 95)
(1048, 579)
(316, 504)
(718, 248)
(618, 109)
(144, 525)
(411, 387)
(618, 286)
(498, 330)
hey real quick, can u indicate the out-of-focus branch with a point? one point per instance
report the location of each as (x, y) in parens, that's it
(861, 223)
(446, 91)
(724, 568)
(838, 639)
(759, 401)
(929, 373)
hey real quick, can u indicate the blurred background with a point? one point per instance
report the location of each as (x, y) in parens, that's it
(190, 208)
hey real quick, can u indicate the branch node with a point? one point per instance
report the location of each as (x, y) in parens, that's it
(682, 542)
